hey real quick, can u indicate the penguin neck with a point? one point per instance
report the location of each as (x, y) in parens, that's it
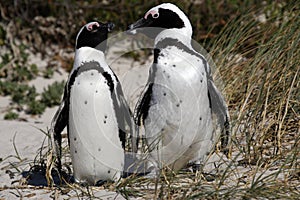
(87, 54)
(178, 34)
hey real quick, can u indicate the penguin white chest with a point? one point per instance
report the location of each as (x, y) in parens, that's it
(179, 115)
(95, 145)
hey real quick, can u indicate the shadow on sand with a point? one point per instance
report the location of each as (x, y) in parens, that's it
(36, 176)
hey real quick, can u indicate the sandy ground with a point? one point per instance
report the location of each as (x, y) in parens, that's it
(20, 144)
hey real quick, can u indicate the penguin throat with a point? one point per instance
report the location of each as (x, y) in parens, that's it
(178, 34)
(169, 42)
(87, 54)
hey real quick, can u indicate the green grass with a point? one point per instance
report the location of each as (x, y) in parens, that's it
(25, 98)
(11, 115)
(52, 94)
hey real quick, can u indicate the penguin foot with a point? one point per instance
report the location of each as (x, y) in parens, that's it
(100, 183)
(153, 172)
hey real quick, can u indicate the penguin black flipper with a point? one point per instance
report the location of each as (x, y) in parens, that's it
(143, 105)
(219, 107)
(59, 122)
(142, 108)
(124, 118)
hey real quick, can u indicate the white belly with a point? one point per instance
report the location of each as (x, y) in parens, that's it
(95, 146)
(179, 118)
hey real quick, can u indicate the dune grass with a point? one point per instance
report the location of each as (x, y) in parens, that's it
(258, 63)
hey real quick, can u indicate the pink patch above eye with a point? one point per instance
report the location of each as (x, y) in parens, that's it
(90, 26)
(152, 12)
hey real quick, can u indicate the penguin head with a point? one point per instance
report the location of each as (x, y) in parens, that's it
(163, 16)
(94, 35)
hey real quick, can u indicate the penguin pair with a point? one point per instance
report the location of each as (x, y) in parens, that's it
(175, 108)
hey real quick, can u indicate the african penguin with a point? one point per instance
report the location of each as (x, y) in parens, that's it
(180, 96)
(94, 110)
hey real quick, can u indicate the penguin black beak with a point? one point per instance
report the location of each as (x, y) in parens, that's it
(110, 26)
(139, 24)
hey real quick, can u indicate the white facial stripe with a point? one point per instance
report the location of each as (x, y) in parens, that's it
(187, 29)
(90, 25)
(78, 35)
(153, 13)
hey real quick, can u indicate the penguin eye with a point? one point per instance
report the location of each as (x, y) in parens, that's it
(155, 15)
